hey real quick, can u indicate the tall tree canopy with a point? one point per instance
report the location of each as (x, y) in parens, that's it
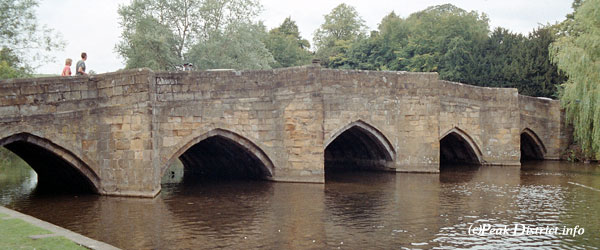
(287, 46)
(459, 46)
(23, 42)
(343, 26)
(424, 41)
(438, 29)
(577, 54)
(161, 34)
(239, 46)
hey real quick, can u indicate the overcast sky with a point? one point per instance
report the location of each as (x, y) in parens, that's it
(93, 26)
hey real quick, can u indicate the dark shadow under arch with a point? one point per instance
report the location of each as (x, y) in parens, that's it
(57, 168)
(458, 148)
(223, 154)
(358, 145)
(532, 147)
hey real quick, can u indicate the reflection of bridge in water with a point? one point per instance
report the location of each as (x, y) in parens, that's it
(117, 133)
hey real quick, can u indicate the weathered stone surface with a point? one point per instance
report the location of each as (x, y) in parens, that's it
(121, 130)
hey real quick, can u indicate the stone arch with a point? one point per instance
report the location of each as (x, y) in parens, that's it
(456, 146)
(232, 139)
(42, 155)
(359, 143)
(532, 147)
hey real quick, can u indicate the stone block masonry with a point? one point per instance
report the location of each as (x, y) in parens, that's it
(117, 132)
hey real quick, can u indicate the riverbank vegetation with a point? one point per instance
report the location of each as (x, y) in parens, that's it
(577, 54)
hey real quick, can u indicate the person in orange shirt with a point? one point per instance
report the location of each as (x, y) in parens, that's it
(67, 69)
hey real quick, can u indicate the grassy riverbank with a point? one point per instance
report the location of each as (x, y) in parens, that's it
(16, 234)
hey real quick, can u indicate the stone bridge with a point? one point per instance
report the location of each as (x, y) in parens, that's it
(117, 133)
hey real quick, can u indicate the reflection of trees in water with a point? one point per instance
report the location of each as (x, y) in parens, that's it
(562, 193)
(362, 209)
(535, 194)
(13, 170)
(478, 192)
(174, 173)
(454, 174)
(358, 195)
(17, 179)
(219, 210)
(382, 209)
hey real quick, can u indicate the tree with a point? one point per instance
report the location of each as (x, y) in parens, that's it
(238, 47)
(168, 30)
(389, 41)
(11, 66)
(541, 76)
(342, 26)
(440, 38)
(500, 60)
(23, 42)
(287, 46)
(434, 30)
(151, 44)
(460, 61)
(577, 54)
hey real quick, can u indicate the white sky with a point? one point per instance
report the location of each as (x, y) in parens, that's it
(93, 26)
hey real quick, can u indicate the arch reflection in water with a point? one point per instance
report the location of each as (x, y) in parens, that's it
(358, 146)
(57, 169)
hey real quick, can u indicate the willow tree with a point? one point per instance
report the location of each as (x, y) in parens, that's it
(577, 54)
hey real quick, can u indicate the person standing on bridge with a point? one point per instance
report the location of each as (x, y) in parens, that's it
(67, 69)
(80, 67)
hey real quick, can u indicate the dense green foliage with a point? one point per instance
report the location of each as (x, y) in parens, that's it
(287, 46)
(457, 44)
(343, 27)
(23, 42)
(577, 53)
(453, 42)
(162, 34)
(239, 46)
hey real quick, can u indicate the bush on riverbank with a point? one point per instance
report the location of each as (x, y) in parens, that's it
(574, 153)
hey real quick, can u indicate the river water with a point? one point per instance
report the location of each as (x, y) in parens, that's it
(357, 210)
